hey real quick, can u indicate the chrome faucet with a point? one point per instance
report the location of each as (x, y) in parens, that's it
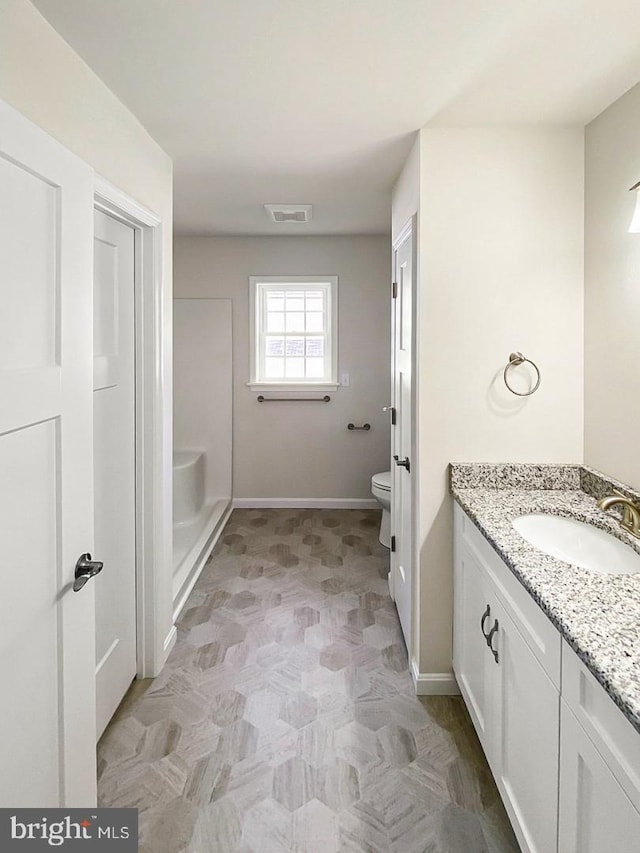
(630, 520)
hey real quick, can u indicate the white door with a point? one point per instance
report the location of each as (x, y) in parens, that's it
(401, 473)
(47, 660)
(114, 462)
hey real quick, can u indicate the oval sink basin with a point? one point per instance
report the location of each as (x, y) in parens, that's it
(578, 543)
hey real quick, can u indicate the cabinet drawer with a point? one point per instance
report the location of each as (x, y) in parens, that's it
(611, 733)
(539, 633)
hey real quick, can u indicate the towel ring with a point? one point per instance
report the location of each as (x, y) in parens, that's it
(515, 359)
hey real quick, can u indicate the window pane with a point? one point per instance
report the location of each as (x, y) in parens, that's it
(294, 368)
(315, 321)
(295, 347)
(275, 322)
(295, 300)
(315, 347)
(275, 300)
(274, 346)
(274, 368)
(315, 301)
(295, 321)
(315, 368)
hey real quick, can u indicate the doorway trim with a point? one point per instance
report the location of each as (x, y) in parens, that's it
(153, 474)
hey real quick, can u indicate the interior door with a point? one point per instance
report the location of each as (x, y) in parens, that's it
(47, 698)
(401, 490)
(114, 462)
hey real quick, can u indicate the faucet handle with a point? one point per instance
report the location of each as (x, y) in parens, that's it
(628, 504)
(630, 511)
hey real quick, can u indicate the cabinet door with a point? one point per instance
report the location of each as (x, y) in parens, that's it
(470, 653)
(524, 711)
(595, 813)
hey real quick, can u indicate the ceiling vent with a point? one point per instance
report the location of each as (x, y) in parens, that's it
(289, 212)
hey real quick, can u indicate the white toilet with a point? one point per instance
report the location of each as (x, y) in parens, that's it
(381, 490)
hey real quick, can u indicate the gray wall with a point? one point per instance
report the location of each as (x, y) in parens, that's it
(304, 450)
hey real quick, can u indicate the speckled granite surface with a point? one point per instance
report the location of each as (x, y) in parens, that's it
(599, 615)
(508, 475)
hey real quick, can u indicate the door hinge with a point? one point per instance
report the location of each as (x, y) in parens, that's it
(393, 543)
(394, 290)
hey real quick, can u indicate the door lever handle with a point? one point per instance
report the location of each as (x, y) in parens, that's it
(86, 568)
(391, 409)
(403, 463)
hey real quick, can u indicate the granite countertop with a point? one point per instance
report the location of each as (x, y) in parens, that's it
(598, 615)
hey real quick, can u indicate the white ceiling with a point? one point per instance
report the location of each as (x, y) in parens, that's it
(317, 101)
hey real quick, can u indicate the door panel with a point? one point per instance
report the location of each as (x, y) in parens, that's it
(401, 489)
(114, 440)
(30, 461)
(105, 305)
(525, 756)
(470, 657)
(28, 323)
(47, 640)
(595, 812)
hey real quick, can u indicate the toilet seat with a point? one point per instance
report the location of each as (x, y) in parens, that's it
(382, 481)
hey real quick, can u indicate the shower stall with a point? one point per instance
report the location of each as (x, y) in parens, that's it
(202, 439)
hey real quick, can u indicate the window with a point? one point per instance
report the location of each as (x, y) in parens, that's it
(294, 330)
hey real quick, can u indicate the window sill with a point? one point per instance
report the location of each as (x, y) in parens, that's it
(295, 388)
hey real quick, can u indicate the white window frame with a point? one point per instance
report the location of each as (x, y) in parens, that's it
(256, 329)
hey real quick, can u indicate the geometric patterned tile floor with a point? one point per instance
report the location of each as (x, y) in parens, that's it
(285, 717)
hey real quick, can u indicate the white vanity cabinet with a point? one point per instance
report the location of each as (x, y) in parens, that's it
(471, 661)
(599, 767)
(565, 758)
(514, 704)
(595, 813)
(524, 718)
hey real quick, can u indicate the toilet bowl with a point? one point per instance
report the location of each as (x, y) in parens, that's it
(381, 490)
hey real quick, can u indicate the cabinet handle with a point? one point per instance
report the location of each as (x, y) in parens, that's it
(490, 640)
(485, 616)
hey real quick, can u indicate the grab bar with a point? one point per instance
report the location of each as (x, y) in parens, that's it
(325, 399)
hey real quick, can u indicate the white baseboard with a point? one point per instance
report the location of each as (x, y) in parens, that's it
(433, 683)
(170, 641)
(305, 503)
